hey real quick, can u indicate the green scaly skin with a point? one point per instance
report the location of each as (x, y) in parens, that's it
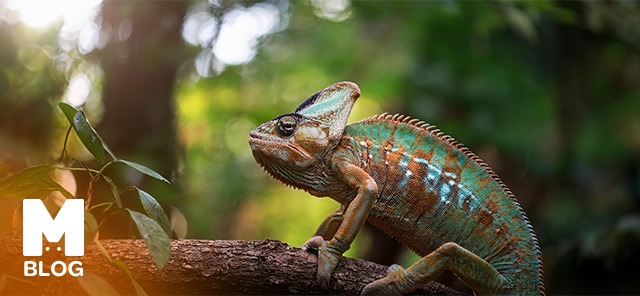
(411, 181)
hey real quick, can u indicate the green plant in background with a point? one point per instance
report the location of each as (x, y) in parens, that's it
(37, 182)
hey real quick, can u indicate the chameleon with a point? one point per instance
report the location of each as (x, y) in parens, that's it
(410, 180)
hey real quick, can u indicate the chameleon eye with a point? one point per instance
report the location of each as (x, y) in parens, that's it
(286, 126)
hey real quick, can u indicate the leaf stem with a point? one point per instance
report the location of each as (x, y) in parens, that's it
(102, 250)
(105, 166)
(94, 178)
(64, 145)
(106, 203)
(84, 169)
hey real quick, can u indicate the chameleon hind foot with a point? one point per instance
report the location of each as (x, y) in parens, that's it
(471, 269)
(387, 285)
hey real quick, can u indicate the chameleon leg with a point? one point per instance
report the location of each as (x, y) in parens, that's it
(355, 214)
(471, 269)
(329, 226)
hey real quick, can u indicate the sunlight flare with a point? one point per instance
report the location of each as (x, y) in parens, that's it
(41, 13)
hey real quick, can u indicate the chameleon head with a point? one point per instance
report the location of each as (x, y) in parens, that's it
(298, 140)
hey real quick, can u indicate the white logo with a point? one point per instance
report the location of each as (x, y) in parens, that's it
(37, 222)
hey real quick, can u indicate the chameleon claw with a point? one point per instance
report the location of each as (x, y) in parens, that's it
(313, 244)
(327, 262)
(323, 280)
(394, 268)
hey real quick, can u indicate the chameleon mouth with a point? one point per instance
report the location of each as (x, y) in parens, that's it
(257, 140)
(253, 135)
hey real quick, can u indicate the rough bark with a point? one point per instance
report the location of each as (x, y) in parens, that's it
(198, 267)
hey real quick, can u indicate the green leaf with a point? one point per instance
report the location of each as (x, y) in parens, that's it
(35, 189)
(90, 227)
(106, 148)
(154, 237)
(125, 268)
(88, 136)
(114, 191)
(32, 182)
(143, 169)
(50, 183)
(94, 284)
(30, 190)
(154, 210)
(24, 176)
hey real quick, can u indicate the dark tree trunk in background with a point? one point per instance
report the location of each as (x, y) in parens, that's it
(140, 65)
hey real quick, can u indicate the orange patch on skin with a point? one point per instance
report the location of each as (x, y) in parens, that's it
(422, 133)
(492, 205)
(451, 160)
(429, 201)
(485, 218)
(394, 170)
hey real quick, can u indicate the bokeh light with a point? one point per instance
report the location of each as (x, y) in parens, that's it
(230, 39)
(41, 13)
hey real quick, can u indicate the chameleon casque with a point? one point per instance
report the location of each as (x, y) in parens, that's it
(410, 180)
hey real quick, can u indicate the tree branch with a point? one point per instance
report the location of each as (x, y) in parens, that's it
(199, 267)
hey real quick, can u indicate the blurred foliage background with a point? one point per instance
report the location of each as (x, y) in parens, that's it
(548, 93)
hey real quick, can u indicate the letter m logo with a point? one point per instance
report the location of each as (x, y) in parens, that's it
(36, 221)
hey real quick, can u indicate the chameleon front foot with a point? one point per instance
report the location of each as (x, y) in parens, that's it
(387, 285)
(328, 259)
(313, 243)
